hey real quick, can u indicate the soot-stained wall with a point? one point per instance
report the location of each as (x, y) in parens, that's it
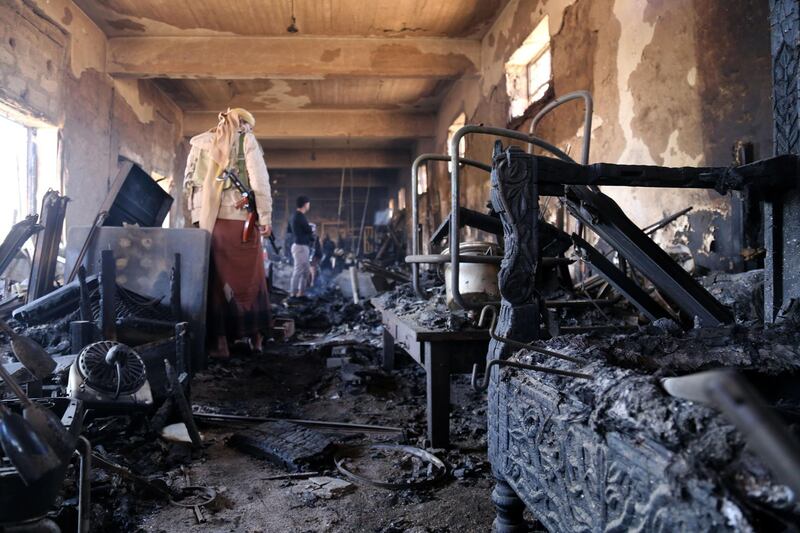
(52, 70)
(675, 83)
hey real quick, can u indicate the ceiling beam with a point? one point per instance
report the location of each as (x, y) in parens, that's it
(290, 57)
(328, 158)
(366, 124)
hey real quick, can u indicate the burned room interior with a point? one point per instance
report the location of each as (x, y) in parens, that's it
(399, 266)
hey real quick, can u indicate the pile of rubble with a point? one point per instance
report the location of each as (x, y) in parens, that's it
(432, 313)
(326, 310)
(629, 394)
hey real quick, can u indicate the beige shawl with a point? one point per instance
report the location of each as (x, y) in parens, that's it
(225, 135)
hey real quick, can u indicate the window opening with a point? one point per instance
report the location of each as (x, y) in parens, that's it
(14, 202)
(29, 164)
(422, 179)
(458, 123)
(529, 70)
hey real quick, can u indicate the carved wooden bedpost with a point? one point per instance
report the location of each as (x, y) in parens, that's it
(515, 197)
(782, 216)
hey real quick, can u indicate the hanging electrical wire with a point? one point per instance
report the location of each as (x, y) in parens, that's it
(364, 216)
(341, 188)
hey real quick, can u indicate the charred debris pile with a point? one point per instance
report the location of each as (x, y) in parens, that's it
(713, 400)
(115, 375)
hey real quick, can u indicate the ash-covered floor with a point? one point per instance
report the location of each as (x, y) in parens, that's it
(292, 380)
(331, 371)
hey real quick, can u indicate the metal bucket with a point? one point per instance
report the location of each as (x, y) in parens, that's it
(477, 282)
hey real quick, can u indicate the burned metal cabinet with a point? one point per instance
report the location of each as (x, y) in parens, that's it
(782, 216)
(144, 263)
(135, 198)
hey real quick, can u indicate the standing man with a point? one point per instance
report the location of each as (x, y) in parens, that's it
(303, 236)
(238, 299)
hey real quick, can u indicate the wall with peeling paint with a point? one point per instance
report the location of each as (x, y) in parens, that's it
(52, 69)
(675, 83)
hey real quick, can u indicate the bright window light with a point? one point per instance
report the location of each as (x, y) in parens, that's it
(422, 179)
(529, 70)
(14, 169)
(29, 165)
(458, 123)
(48, 172)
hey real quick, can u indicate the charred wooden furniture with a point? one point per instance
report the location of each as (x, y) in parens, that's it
(440, 353)
(782, 213)
(570, 476)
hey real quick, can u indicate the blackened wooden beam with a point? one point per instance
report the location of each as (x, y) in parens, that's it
(607, 220)
(469, 218)
(43, 267)
(515, 197)
(768, 176)
(622, 283)
(85, 304)
(782, 212)
(182, 348)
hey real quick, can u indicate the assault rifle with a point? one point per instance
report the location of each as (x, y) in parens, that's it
(248, 202)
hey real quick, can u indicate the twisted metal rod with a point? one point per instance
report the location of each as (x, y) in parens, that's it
(480, 387)
(522, 345)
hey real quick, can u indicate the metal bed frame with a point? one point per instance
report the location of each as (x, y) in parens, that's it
(455, 257)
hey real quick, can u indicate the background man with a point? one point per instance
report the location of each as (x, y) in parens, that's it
(301, 249)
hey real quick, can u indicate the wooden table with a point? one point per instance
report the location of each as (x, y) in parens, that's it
(440, 353)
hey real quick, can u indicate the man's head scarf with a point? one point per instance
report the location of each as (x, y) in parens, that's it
(232, 123)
